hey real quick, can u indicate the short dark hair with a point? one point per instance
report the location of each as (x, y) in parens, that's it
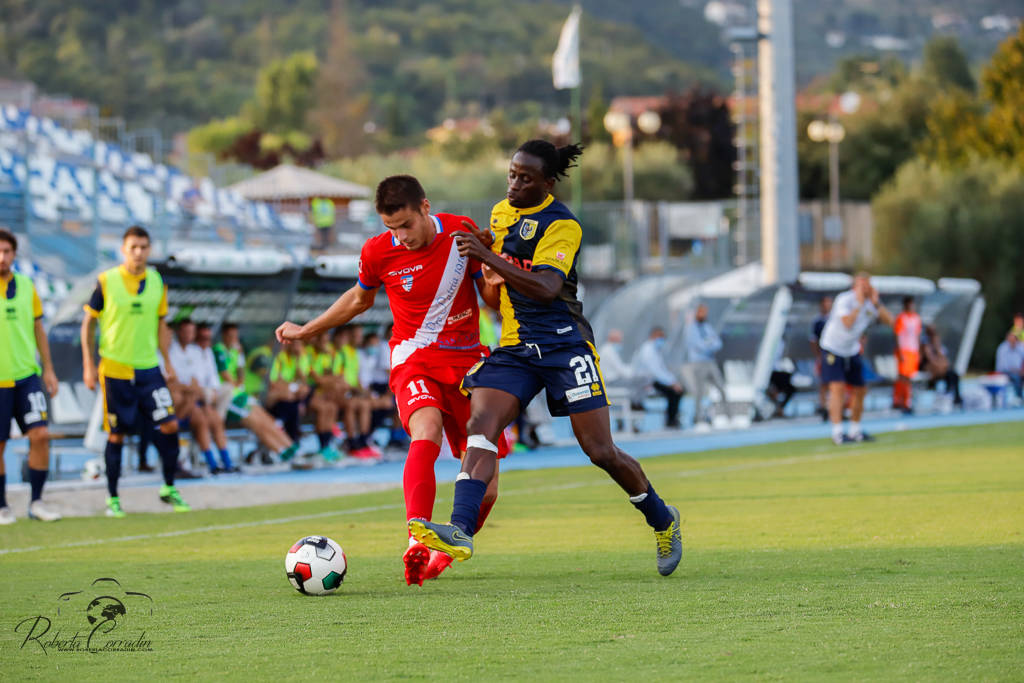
(396, 192)
(556, 160)
(182, 321)
(907, 300)
(8, 236)
(228, 326)
(135, 231)
(204, 326)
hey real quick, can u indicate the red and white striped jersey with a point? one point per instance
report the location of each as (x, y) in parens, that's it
(430, 291)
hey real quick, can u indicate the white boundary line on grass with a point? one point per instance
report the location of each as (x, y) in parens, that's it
(823, 455)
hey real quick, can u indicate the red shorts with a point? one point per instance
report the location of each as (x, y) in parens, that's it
(434, 382)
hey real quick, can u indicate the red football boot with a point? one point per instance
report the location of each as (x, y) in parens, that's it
(417, 559)
(438, 563)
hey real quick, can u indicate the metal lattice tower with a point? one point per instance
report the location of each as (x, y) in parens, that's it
(747, 187)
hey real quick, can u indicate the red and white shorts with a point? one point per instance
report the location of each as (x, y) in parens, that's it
(434, 382)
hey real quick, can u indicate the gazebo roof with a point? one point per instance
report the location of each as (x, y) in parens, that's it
(292, 182)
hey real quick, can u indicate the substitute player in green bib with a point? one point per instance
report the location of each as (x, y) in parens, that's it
(21, 388)
(130, 302)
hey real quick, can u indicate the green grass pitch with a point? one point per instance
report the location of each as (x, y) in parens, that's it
(902, 559)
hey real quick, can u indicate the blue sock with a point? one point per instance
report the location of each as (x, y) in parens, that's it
(469, 494)
(324, 438)
(211, 462)
(3, 490)
(654, 509)
(167, 447)
(225, 459)
(112, 456)
(36, 480)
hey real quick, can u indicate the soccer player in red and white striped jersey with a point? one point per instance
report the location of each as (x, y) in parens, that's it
(434, 342)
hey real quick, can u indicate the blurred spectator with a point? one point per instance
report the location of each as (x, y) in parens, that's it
(322, 213)
(288, 387)
(937, 365)
(1010, 362)
(1018, 327)
(209, 381)
(613, 368)
(257, 367)
(649, 366)
(908, 354)
(700, 369)
(780, 384)
(816, 329)
(230, 356)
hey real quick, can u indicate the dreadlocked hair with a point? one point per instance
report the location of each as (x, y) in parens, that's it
(557, 160)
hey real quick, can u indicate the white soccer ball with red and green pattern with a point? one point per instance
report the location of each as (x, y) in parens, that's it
(315, 565)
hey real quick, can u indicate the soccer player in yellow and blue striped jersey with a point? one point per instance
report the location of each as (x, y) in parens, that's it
(130, 303)
(546, 344)
(21, 387)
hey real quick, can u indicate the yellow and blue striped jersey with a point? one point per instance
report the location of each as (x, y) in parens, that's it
(546, 236)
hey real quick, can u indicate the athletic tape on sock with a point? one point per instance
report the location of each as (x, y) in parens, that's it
(462, 475)
(480, 441)
(638, 499)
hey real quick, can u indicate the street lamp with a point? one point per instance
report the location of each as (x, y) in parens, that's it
(832, 132)
(620, 125)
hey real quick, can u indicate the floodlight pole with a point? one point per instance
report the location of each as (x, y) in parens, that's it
(779, 249)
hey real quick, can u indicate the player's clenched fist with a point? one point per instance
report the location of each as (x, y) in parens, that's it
(288, 332)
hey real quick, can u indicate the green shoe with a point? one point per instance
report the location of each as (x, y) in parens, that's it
(330, 454)
(447, 538)
(169, 494)
(114, 507)
(289, 453)
(670, 545)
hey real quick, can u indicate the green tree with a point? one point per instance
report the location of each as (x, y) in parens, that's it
(342, 105)
(938, 221)
(945, 64)
(285, 93)
(962, 127)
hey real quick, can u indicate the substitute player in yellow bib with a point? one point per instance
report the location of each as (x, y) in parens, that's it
(21, 388)
(130, 302)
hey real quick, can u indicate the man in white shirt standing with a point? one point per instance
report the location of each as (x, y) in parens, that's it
(852, 313)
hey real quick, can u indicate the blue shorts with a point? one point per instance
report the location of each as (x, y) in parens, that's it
(570, 375)
(126, 400)
(25, 402)
(846, 369)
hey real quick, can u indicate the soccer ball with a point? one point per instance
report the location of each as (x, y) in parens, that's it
(93, 469)
(315, 565)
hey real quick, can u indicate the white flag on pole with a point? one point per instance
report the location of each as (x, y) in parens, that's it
(565, 65)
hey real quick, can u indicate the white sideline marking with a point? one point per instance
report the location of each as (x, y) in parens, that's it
(824, 455)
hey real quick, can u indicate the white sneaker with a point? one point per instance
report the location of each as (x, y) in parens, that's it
(38, 510)
(7, 516)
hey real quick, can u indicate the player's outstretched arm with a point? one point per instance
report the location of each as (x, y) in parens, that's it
(349, 305)
(541, 285)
